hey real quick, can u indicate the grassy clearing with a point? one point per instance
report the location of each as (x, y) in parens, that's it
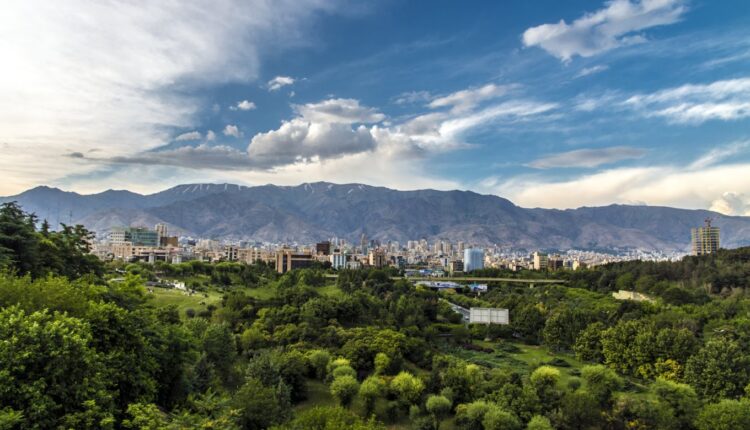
(183, 301)
(318, 394)
(524, 360)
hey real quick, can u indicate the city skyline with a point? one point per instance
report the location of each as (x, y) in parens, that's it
(578, 104)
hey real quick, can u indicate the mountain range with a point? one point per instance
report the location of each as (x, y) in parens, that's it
(321, 210)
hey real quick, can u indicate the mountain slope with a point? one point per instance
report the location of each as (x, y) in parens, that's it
(316, 211)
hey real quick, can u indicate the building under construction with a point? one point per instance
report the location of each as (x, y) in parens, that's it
(705, 239)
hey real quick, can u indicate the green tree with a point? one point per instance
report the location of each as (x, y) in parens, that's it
(539, 422)
(258, 406)
(544, 381)
(407, 387)
(720, 369)
(371, 389)
(588, 344)
(145, 416)
(469, 416)
(601, 382)
(49, 373)
(343, 371)
(579, 410)
(725, 415)
(439, 407)
(382, 363)
(329, 418)
(563, 327)
(679, 400)
(498, 419)
(319, 359)
(19, 242)
(344, 388)
(220, 348)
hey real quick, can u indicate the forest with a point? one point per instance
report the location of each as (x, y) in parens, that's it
(91, 345)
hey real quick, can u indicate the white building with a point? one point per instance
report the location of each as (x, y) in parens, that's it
(338, 260)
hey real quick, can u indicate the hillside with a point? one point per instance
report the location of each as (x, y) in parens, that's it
(316, 211)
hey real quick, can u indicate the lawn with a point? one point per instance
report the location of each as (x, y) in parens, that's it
(198, 301)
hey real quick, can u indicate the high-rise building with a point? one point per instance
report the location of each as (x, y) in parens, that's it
(376, 258)
(161, 230)
(473, 259)
(363, 243)
(541, 260)
(705, 239)
(230, 253)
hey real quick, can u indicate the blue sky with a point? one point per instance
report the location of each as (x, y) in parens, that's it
(548, 103)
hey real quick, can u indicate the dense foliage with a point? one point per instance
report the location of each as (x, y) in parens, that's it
(86, 346)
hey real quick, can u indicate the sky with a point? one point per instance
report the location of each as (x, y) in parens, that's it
(547, 103)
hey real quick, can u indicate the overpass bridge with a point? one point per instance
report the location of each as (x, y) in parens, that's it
(473, 279)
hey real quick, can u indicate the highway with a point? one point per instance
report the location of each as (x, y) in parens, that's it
(459, 310)
(473, 279)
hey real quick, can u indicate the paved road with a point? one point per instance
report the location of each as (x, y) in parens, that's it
(459, 310)
(475, 279)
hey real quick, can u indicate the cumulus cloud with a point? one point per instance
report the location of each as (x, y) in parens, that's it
(615, 25)
(280, 81)
(587, 157)
(232, 130)
(342, 128)
(98, 74)
(210, 135)
(345, 111)
(732, 203)
(301, 141)
(243, 105)
(697, 103)
(192, 135)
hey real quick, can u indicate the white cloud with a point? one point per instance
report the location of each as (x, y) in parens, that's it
(464, 100)
(280, 81)
(243, 105)
(411, 97)
(346, 111)
(210, 135)
(696, 103)
(695, 185)
(587, 157)
(198, 157)
(232, 130)
(732, 203)
(608, 28)
(717, 155)
(586, 71)
(83, 75)
(301, 141)
(192, 135)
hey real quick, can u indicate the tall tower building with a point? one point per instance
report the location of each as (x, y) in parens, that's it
(473, 259)
(705, 239)
(363, 243)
